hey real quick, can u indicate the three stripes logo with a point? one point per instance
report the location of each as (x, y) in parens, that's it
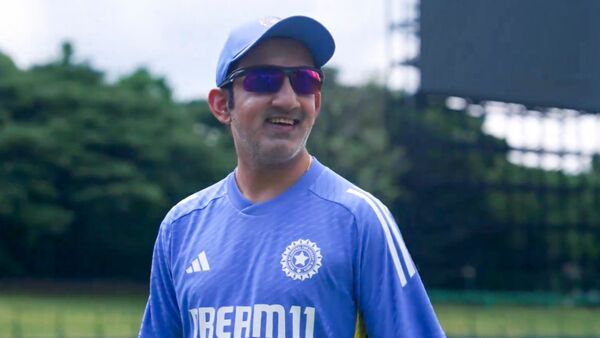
(392, 236)
(199, 264)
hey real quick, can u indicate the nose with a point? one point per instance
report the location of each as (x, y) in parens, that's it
(286, 98)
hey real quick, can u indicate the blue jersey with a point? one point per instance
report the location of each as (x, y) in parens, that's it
(323, 259)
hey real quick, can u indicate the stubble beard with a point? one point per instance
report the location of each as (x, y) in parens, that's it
(261, 155)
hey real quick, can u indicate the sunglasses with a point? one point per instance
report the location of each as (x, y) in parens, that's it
(269, 79)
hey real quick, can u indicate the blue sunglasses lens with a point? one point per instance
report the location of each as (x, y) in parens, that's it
(304, 81)
(265, 80)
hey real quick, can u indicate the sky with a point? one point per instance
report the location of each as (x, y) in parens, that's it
(180, 39)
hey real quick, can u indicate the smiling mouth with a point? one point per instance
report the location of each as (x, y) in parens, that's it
(283, 121)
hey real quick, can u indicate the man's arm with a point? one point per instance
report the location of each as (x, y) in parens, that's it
(161, 317)
(391, 297)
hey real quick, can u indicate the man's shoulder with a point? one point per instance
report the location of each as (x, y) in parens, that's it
(197, 201)
(334, 188)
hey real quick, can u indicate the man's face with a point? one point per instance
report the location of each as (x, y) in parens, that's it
(259, 121)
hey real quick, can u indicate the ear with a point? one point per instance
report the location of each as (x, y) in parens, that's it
(318, 102)
(217, 103)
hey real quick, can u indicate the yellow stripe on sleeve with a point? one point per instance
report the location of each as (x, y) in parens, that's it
(359, 329)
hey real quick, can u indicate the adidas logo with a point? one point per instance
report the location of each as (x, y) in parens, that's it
(199, 264)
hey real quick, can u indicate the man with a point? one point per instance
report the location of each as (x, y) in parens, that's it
(283, 246)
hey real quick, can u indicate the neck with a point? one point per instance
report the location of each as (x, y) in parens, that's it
(259, 183)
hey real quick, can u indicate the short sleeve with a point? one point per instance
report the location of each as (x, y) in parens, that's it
(161, 317)
(391, 297)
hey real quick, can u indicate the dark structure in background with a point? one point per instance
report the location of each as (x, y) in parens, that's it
(514, 215)
(541, 53)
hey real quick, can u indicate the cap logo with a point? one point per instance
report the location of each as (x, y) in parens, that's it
(269, 21)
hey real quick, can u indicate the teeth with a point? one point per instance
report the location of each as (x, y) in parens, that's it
(282, 120)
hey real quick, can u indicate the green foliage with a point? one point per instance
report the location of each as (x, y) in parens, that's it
(351, 137)
(89, 168)
(476, 220)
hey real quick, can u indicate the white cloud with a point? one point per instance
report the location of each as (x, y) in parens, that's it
(20, 24)
(180, 40)
(359, 30)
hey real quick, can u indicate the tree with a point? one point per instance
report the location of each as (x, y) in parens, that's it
(350, 135)
(89, 168)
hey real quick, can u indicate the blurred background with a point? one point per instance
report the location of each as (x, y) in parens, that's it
(475, 121)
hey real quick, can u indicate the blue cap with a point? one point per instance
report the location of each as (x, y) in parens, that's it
(308, 31)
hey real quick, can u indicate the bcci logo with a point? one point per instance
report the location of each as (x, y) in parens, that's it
(301, 260)
(269, 21)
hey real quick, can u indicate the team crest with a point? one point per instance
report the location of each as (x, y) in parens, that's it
(301, 260)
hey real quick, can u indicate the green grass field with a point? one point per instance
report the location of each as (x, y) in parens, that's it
(518, 321)
(70, 316)
(27, 315)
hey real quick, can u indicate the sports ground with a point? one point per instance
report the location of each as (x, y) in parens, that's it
(26, 315)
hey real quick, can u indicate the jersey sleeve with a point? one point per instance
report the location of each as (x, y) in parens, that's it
(161, 317)
(391, 297)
